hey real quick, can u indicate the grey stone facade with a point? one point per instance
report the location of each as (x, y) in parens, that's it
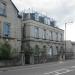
(70, 49)
(41, 41)
(9, 17)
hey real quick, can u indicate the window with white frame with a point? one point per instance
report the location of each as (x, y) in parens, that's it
(50, 52)
(56, 36)
(44, 34)
(61, 37)
(36, 16)
(48, 21)
(6, 29)
(3, 8)
(51, 35)
(45, 20)
(36, 32)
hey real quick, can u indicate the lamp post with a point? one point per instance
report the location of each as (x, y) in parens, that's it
(65, 43)
(65, 39)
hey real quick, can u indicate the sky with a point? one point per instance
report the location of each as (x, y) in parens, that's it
(63, 11)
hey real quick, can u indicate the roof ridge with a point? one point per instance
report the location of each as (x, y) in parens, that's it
(14, 5)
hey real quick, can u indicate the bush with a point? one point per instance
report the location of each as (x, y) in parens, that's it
(5, 51)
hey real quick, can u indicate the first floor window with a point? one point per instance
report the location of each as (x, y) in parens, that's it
(56, 36)
(61, 37)
(3, 8)
(51, 35)
(36, 32)
(6, 29)
(44, 34)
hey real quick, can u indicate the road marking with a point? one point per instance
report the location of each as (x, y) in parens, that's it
(61, 71)
(54, 71)
(57, 72)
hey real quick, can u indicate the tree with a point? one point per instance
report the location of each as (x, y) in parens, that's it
(5, 51)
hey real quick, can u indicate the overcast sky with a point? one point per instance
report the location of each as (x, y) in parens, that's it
(62, 10)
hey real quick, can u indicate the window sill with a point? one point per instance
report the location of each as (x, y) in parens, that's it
(3, 15)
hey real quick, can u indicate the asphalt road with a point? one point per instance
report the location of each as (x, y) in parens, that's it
(55, 68)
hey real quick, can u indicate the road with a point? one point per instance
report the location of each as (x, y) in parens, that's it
(53, 68)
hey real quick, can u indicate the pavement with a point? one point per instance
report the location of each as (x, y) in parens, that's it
(27, 66)
(53, 68)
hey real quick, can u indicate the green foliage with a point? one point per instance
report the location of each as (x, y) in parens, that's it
(5, 51)
(13, 53)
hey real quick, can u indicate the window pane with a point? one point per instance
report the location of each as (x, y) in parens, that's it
(48, 21)
(2, 9)
(36, 16)
(51, 35)
(44, 34)
(6, 29)
(56, 36)
(50, 51)
(55, 51)
(45, 20)
(61, 37)
(36, 30)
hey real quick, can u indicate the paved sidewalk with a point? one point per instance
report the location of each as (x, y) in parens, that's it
(32, 66)
(26, 66)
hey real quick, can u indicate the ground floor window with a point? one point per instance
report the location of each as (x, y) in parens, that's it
(50, 53)
(55, 51)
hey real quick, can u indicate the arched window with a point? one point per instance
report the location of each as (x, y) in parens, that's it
(50, 51)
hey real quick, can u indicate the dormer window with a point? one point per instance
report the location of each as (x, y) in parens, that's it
(36, 16)
(47, 20)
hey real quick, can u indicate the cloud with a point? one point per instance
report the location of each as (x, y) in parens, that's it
(61, 10)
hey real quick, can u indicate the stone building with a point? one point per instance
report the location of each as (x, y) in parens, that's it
(73, 49)
(10, 24)
(42, 40)
(70, 49)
